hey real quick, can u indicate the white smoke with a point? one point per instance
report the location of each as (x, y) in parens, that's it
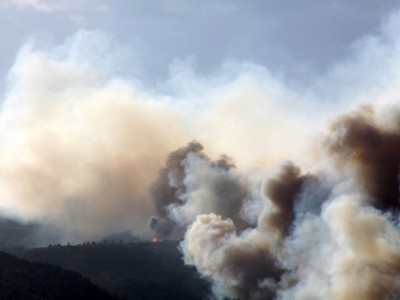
(350, 251)
(78, 148)
(207, 189)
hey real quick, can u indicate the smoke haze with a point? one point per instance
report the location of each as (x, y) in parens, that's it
(274, 194)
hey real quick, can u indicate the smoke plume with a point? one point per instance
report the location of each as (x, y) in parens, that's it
(192, 184)
(347, 248)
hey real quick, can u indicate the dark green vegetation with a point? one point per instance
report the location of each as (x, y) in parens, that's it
(139, 270)
(23, 280)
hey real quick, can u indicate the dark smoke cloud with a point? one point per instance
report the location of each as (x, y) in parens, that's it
(257, 270)
(371, 151)
(282, 190)
(241, 265)
(245, 264)
(162, 227)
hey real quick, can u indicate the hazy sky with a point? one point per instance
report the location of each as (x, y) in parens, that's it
(297, 38)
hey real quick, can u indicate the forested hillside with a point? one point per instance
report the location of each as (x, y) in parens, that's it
(139, 270)
(23, 280)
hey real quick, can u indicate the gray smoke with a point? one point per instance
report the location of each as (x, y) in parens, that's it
(328, 235)
(192, 184)
(245, 264)
(342, 248)
(240, 265)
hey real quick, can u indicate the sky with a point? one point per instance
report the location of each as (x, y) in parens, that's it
(300, 39)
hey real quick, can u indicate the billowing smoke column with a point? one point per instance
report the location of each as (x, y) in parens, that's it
(332, 234)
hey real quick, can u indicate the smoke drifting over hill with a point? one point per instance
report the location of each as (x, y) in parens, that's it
(283, 197)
